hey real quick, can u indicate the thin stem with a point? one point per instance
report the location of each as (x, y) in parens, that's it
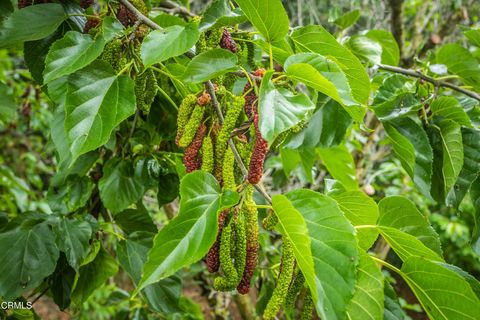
(388, 265)
(436, 82)
(263, 206)
(139, 15)
(366, 226)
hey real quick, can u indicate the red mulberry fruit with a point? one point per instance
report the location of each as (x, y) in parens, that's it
(213, 255)
(92, 22)
(227, 41)
(258, 156)
(84, 4)
(191, 158)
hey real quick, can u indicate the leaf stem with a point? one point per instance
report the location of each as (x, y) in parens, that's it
(418, 74)
(388, 265)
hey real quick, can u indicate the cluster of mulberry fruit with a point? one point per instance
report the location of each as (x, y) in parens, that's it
(84, 4)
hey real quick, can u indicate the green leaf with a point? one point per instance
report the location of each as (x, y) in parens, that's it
(395, 99)
(188, 237)
(348, 19)
(168, 188)
(393, 310)
(210, 64)
(97, 102)
(28, 255)
(73, 239)
(316, 39)
(280, 109)
(460, 61)
(406, 245)
(31, 23)
(471, 166)
(390, 51)
(8, 107)
(333, 247)
(475, 196)
(446, 138)
(121, 184)
(326, 128)
(324, 76)
(443, 293)
(400, 213)
(450, 109)
(219, 14)
(292, 225)
(35, 53)
(360, 209)
(160, 45)
(406, 134)
(132, 220)
(367, 302)
(71, 195)
(473, 35)
(267, 16)
(93, 275)
(366, 49)
(340, 165)
(62, 281)
(162, 296)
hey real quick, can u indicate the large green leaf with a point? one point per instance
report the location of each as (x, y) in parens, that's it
(292, 225)
(333, 247)
(97, 101)
(219, 13)
(31, 23)
(326, 128)
(395, 98)
(406, 134)
(367, 302)
(475, 195)
(444, 294)
(73, 237)
(267, 16)
(473, 35)
(187, 238)
(340, 165)
(400, 213)
(449, 108)
(93, 275)
(446, 138)
(162, 296)
(316, 39)
(348, 19)
(8, 107)
(325, 76)
(121, 184)
(28, 255)
(406, 245)
(132, 220)
(392, 308)
(76, 50)
(460, 61)
(210, 64)
(390, 50)
(71, 195)
(160, 45)
(280, 109)
(360, 209)
(366, 49)
(471, 166)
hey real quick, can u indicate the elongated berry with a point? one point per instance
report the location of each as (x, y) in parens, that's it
(191, 158)
(213, 255)
(227, 41)
(257, 160)
(192, 126)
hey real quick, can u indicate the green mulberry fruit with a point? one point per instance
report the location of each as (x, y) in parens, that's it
(228, 171)
(184, 112)
(207, 154)
(240, 245)
(270, 221)
(295, 288)
(307, 307)
(228, 281)
(145, 90)
(283, 281)
(192, 126)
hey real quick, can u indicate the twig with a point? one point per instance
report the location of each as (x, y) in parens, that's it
(238, 159)
(210, 90)
(176, 8)
(417, 74)
(40, 295)
(135, 27)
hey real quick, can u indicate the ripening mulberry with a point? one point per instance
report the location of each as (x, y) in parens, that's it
(234, 108)
(283, 281)
(184, 112)
(191, 158)
(213, 255)
(295, 287)
(227, 41)
(92, 22)
(270, 221)
(251, 228)
(229, 280)
(307, 307)
(24, 3)
(122, 15)
(112, 54)
(192, 126)
(204, 99)
(260, 150)
(240, 245)
(213, 38)
(84, 4)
